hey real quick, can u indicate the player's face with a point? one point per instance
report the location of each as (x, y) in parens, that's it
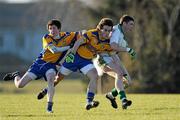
(106, 31)
(129, 26)
(53, 30)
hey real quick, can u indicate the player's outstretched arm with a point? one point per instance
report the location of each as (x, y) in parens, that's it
(118, 48)
(55, 49)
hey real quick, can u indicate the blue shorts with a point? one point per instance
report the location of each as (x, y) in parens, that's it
(78, 64)
(40, 67)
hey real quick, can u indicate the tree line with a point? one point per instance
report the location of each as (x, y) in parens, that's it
(155, 39)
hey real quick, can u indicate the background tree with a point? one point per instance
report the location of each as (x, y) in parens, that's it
(73, 14)
(155, 39)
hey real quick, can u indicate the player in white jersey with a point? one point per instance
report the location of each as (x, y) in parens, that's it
(112, 64)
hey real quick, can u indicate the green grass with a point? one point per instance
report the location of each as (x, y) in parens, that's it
(70, 106)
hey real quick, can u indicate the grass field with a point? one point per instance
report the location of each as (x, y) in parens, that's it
(70, 106)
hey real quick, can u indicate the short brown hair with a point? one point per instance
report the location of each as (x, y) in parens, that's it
(55, 22)
(126, 18)
(105, 21)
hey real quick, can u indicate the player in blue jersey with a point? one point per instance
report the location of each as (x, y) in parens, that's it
(95, 41)
(55, 46)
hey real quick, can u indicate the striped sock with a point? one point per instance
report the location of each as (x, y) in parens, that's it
(122, 95)
(114, 92)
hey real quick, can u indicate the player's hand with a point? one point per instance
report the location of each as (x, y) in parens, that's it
(132, 53)
(125, 81)
(125, 84)
(70, 57)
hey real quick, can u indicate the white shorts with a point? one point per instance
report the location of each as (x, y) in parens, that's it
(84, 70)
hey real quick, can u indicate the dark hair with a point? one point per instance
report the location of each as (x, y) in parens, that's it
(55, 22)
(103, 22)
(125, 18)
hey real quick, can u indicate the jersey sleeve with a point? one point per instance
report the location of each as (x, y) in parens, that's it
(47, 40)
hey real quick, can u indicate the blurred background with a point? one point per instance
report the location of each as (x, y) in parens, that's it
(155, 38)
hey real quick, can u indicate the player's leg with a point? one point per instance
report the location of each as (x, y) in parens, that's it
(50, 76)
(101, 63)
(119, 88)
(43, 92)
(20, 82)
(111, 96)
(126, 77)
(121, 92)
(126, 82)
(92, 74)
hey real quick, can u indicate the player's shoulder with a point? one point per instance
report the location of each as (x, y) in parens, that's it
(116, 31)
(115, 27)
(64, 33)
(90, 31)
(47, 36)
(67, 34)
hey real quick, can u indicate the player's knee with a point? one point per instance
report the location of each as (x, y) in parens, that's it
(50, 76)
(50, 79)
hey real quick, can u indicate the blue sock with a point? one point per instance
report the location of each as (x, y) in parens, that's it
(49, 106)
(90, 96)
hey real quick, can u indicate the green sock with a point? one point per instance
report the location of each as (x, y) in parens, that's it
(122, 94)
(114, 92)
